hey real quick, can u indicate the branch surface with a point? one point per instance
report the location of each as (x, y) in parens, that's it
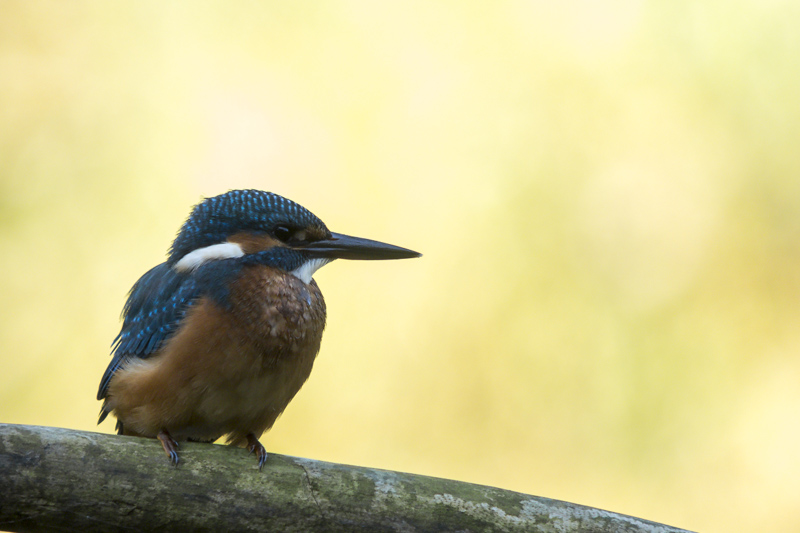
(56, 479)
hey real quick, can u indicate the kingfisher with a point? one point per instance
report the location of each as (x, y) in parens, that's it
(218, 339)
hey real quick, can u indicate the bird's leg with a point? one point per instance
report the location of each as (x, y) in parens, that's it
(256, 447)
(170, 445)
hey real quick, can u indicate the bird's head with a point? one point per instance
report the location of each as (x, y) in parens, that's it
(267, 228)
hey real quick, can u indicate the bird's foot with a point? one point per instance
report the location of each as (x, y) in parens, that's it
(170, 446)
(257, 448)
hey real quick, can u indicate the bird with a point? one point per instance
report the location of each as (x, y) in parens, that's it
(218, 339)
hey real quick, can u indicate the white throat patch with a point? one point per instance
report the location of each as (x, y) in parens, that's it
(194, 259)
(307, 269)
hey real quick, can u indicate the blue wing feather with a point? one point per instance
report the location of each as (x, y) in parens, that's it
(155, 307)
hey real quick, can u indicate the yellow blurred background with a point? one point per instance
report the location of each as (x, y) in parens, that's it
(607, 196)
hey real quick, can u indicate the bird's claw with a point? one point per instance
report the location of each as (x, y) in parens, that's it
(257, 448)
(170, 446)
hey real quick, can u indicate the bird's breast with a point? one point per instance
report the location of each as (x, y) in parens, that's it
(277, 312)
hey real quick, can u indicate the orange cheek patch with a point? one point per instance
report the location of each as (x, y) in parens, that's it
(253, 242)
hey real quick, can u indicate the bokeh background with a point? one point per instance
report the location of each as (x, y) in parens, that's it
(607, 196)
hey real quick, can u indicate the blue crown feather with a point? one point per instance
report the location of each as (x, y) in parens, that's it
(214, 219)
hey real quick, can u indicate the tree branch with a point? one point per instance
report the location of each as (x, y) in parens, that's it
(65, 480)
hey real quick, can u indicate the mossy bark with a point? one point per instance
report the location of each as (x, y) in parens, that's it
(65, 480)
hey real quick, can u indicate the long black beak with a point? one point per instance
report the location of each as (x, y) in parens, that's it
(345, 247)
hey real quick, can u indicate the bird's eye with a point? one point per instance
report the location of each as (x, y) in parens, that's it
(282, 233)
